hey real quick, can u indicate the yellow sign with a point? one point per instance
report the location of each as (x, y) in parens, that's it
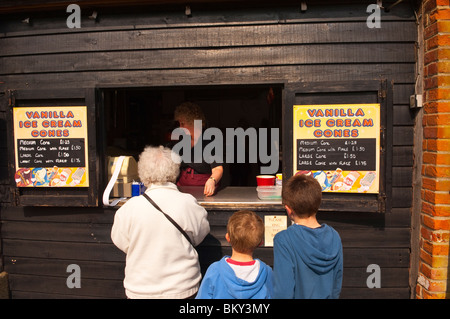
(51, 146)
(339, 145)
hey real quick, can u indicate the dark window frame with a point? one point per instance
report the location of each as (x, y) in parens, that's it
(92, 97)
(379, 89)
(58, 196)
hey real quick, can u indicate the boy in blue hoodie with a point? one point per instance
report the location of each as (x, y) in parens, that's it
(239, 276)
(308, 261)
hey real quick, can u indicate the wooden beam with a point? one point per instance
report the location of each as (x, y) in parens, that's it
(11, 6)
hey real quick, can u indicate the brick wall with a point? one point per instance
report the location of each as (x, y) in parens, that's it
(433, 276)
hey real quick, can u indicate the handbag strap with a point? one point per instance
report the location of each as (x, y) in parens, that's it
(169, 218)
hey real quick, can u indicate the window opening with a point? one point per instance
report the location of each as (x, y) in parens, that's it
(137, 117)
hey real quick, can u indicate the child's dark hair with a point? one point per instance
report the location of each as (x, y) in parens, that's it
(246, 231)
(303, 194)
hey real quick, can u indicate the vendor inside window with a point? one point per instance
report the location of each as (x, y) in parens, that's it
(239, 126)
(197, 168)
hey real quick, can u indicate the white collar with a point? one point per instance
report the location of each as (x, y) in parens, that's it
(164, 185)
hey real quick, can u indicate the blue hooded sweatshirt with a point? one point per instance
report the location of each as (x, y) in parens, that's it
(308, 263)
(220, 282)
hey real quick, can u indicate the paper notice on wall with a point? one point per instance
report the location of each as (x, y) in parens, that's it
(273, 224)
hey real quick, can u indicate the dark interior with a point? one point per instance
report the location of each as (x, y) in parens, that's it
(136, 117)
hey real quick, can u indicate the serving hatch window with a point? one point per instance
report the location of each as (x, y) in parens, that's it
(243, 122)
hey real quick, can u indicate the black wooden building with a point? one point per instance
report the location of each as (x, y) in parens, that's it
(219, 53)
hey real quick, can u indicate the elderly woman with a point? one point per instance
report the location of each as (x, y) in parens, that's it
(160, 261)
(199, 172)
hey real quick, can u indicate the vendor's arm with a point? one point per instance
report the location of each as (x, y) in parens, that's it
(211, 183)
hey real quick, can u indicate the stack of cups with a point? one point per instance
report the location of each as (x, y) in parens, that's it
(265, 180)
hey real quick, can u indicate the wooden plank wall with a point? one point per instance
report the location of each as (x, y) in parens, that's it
(240, 46)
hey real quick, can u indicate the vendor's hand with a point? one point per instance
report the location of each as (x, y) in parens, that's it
(210, 187)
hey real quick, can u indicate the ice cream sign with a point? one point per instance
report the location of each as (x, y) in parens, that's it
(339, 145)
(51, 146)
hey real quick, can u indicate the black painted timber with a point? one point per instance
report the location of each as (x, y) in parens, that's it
(152, 48)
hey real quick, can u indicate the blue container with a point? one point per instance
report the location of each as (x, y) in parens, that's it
(135, 189)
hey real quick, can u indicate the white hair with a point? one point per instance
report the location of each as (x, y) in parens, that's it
(158, 165)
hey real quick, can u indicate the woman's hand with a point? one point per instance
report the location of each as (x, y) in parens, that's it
(210, 187)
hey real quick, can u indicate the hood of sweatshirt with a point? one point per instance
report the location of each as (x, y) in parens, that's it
(241, 289)
(319, 248)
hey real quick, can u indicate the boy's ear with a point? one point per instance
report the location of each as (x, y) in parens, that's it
(227, 237)
(289, 211)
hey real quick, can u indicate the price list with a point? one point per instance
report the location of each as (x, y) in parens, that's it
(329, 154)
(61, 152)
